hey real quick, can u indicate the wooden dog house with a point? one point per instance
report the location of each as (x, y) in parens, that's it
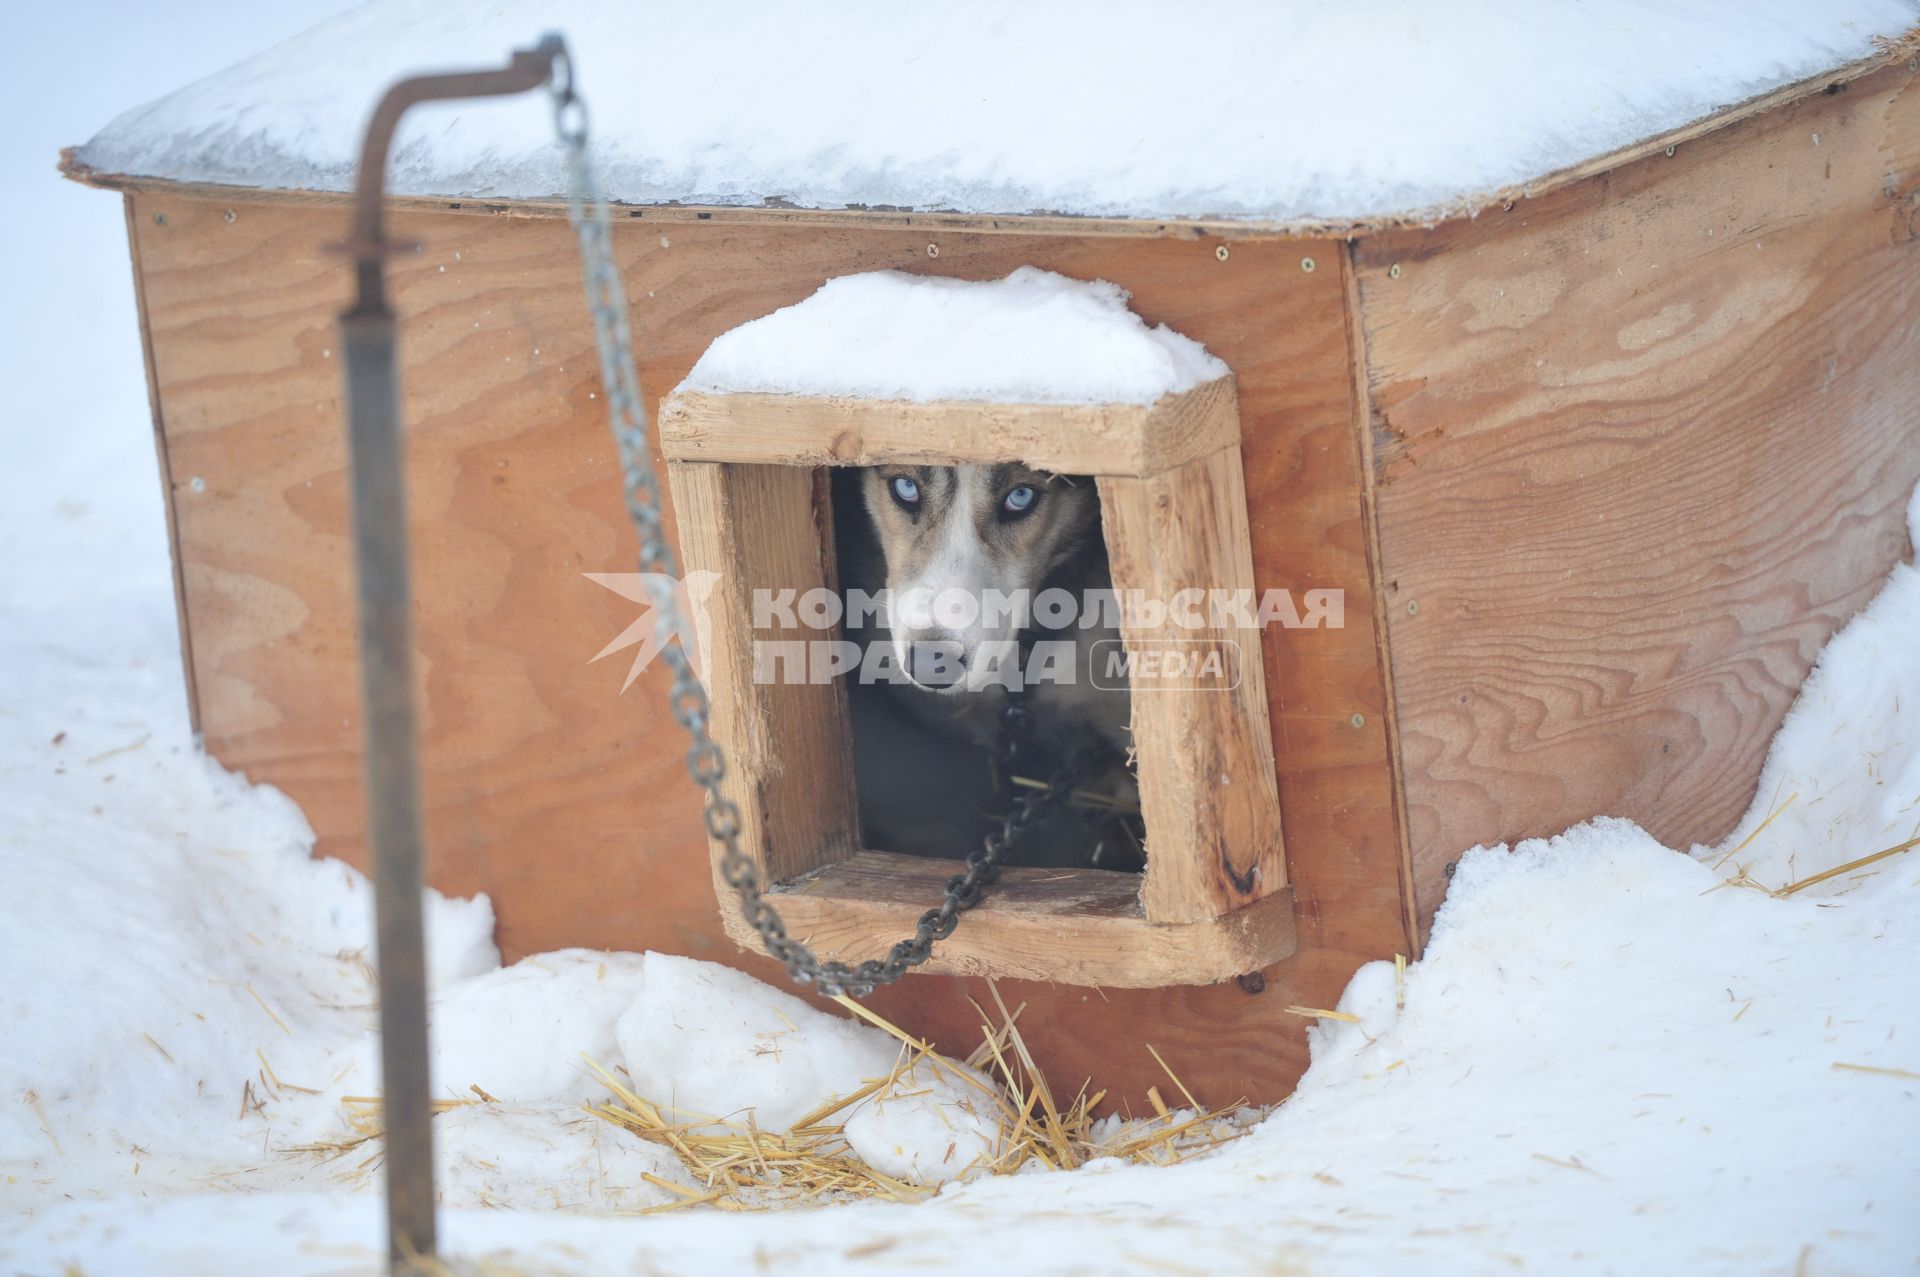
(1598, 469)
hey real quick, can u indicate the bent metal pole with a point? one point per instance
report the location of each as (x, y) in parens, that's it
(378, 479)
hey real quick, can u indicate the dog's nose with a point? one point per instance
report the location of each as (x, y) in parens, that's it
(936, 660)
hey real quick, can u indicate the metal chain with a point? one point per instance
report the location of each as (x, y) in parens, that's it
(606, 298)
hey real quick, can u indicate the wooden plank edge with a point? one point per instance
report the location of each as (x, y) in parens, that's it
(877, 218)
(1007, 937)
(1891, 52)
(1119, 439)
(157, 413)
(1383, 647)
(1164, 537)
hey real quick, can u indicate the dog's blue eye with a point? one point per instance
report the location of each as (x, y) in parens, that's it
(1021, 499)
(906, 491)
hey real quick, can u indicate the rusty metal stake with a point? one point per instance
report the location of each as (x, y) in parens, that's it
(378, 479)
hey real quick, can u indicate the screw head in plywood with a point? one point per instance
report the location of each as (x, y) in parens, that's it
(232, 217)
(1413, 607)
(1393, 271)
(1670, 150)
(933, 250)
(1306, 264)
(1358, 720)
(1222, 253)
(159, 219)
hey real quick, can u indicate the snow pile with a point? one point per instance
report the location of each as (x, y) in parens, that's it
(1033, 337)
(520, 1032)
(1638, 1014)
(1223, 107)
(757, 1062)
(767, 1059)
(936, 1125)
(172, 954)
(231, 1049)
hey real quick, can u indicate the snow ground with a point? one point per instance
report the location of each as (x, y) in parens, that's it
(1610, 1059)
(1233, 108)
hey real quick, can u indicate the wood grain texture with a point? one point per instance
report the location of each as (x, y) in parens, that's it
(788, 767)
(155, 408)
(1067, 926)
(819, 430)
(548, 788)
(1202, 743)
(1639, 448)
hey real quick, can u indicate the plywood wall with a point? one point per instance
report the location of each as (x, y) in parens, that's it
(1637, 449)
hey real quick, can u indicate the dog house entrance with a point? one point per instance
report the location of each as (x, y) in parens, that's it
(753, 493)
(939, 765)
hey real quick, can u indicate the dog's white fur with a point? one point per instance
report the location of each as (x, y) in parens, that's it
(961, 544)
(958, 568)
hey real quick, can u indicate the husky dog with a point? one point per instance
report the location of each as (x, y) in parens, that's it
(932, 535)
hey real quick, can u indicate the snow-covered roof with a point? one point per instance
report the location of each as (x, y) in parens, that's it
(1033, 337)
(1344, 111)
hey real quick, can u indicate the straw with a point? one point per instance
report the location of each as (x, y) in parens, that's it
(1849, 867)
(736, 1166)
